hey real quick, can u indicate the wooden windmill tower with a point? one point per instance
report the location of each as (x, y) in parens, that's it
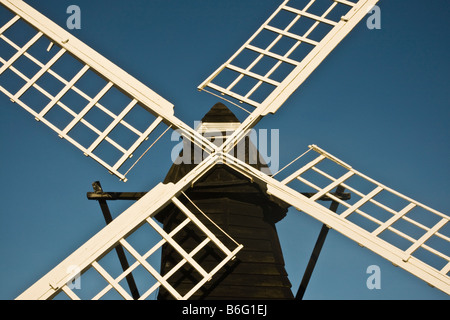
(180, 208)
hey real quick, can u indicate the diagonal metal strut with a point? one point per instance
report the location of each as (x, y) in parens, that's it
(317, 249)
(119, 249)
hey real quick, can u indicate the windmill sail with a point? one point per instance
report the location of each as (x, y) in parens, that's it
(398, 228)
(238, 206)
(82, 109)
(411, 235)
(280, 56)
(101, 280)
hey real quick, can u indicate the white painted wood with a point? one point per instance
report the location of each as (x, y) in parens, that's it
(143, 210)
(362, 201)
(332, 185)
(393, 219)
(111, 281)
(19, 53)
(340, 223)
(109, 236)
(89, 255)
(309, 15)
(9, 24)
(293, 36)
(43, 70)
(70, 293)
(177, 247)
(114, 76)
(86, 109)
(89, 56)
(304, 68)
(202, 227)
(150, 269)
(424, 238)
(112, 125)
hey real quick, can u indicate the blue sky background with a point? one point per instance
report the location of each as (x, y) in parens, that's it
(380, 102)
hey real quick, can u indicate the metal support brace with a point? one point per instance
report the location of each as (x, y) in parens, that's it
(119, 250)
(137, 195)
(317, 248)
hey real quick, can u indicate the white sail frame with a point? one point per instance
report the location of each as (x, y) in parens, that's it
(139, 95)
(371, 239)
(89, 255)
(283, 89)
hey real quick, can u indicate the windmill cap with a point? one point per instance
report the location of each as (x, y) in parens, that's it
(219, 119)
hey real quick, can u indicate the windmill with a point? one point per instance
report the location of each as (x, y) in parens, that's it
(322, 155)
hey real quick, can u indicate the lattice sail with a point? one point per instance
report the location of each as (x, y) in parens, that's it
(82, 96)
(411, 235)
(283, 52)
(141, 237)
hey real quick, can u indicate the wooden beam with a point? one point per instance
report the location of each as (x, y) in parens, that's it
(137, 195)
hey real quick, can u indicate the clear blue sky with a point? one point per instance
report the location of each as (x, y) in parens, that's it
(380, 102)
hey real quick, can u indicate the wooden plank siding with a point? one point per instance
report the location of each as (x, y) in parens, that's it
(243, 211)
